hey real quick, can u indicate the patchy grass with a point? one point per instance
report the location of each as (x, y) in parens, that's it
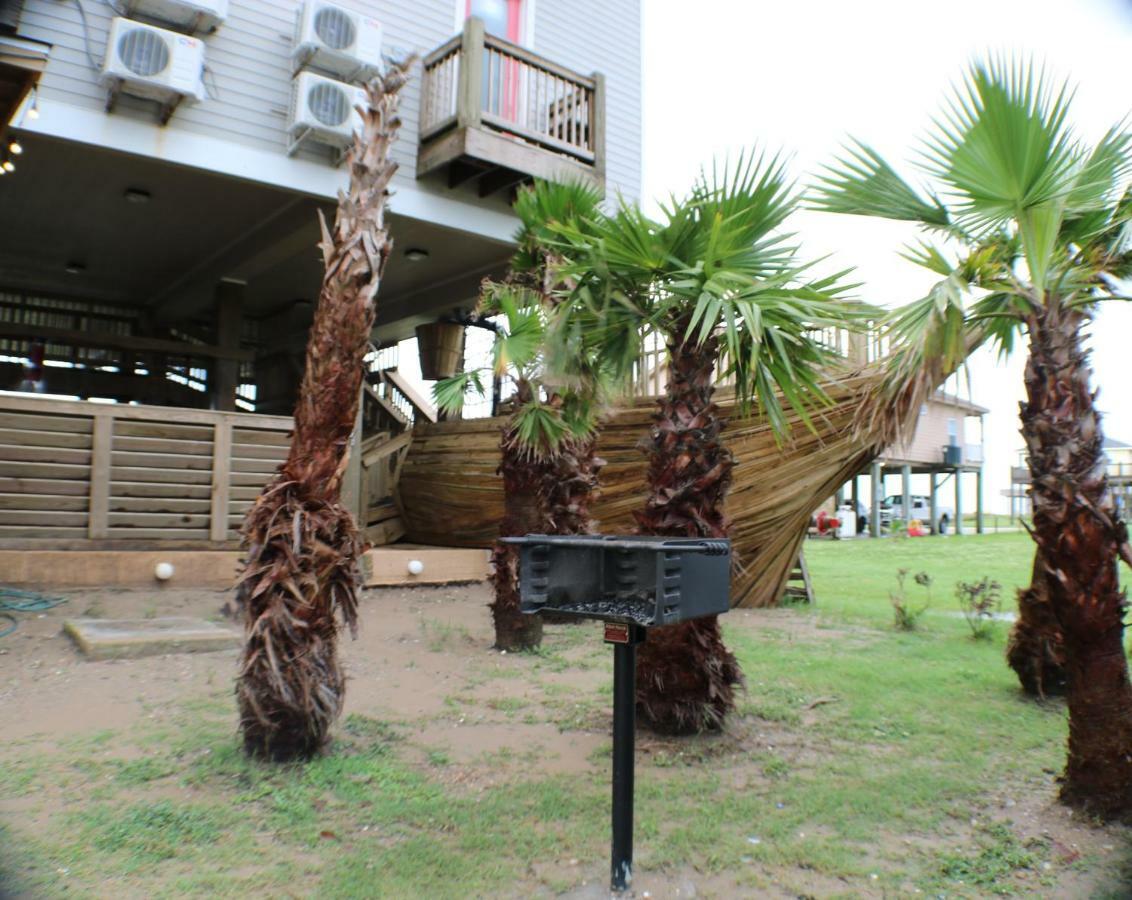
(863, 761)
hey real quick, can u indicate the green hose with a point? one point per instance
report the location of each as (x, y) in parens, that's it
(14, 600)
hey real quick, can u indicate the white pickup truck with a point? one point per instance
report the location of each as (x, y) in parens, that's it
(892, 509)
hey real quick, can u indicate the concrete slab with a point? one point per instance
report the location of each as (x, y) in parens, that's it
(131, 638)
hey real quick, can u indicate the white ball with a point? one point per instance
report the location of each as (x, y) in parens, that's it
(415, 567)
(163, 571)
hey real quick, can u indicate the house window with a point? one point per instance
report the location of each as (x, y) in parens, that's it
(503, 18)
(503, 82)
(952, 432)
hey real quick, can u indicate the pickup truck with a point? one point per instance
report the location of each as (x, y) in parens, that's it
(892, 509)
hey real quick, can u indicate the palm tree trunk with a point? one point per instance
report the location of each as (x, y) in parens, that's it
(568, 487)
(523, 513)
(1035, 649)
(1079, 541)
(686, 677)
(302, 545)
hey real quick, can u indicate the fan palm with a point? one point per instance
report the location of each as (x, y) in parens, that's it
(302, 544)
(1035, 228)
(548, 464)
(715, 278)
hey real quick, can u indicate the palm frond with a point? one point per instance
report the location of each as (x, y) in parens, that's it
(862, 183)
(449, 394)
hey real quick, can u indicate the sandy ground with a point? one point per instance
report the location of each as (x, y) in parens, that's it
(50, 691)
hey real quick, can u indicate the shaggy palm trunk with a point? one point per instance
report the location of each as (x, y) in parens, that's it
(568, 486)
(522, 514)
(686, 677)
(302, 545)
(1079, 540)
(1035, 649)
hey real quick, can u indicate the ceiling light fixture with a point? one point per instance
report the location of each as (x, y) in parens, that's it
(416, 254)
(136, 195)
(33, 110)
(15, 148)
(9, 166)
(74, 268)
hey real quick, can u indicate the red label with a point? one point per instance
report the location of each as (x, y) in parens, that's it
(616, 633)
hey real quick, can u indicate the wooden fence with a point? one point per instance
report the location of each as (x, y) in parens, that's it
(74, 472)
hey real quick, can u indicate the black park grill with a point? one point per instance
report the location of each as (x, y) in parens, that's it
(632, 584)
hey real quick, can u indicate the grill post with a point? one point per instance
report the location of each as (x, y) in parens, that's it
(624, 640)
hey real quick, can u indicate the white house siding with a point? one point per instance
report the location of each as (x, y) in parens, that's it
(241, 128)
(602, 36)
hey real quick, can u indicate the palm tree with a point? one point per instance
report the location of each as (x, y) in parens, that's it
(1041, 230)
(303, 546)
(548, 464)
(724, 288)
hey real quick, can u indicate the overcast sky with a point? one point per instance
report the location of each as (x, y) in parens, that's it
(721, 75)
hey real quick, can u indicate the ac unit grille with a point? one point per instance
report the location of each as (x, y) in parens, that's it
(334, 28)
(329, 105)
(143, 52)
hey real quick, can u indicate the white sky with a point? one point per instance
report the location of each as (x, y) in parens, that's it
(800, 75)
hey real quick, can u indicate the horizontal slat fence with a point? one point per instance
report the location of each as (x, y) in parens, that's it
(72, 471)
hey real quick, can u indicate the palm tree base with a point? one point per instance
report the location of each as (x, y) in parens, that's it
(1098, 775)
(513, 629)
(686, 678)
(302, 571)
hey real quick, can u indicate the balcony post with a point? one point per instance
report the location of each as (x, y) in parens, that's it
(980, 524)
(933, 502)
(469, 100)
(597, 126)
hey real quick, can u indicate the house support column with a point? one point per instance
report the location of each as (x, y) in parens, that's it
(906, 489)
(958, 501)
(229, 319)
(874, 508)
(855, 499)
(933, 502)
(980, 525)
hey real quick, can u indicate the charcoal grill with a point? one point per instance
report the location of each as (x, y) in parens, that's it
(631, 584)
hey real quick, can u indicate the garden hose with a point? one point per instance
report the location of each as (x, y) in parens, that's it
(13, 600)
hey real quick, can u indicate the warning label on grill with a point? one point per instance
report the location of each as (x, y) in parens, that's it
(616, 633)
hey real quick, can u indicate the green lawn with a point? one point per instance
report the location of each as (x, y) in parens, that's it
(864, 761)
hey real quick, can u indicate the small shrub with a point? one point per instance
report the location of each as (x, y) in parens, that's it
(905, 617)
(980, 602)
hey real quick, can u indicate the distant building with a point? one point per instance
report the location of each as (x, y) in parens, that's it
(1118, 468)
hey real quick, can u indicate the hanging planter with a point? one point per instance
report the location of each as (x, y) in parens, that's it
(441, 348)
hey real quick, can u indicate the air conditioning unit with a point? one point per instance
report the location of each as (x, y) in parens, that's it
(323, 110)
(337, 41)
(153, 63)
(192, 15)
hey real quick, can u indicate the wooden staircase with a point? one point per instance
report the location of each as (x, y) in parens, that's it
(799, 588)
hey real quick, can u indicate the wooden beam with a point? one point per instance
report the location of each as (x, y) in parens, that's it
(98, 516)
(221, 480)
(499, 180)
(469, 91)
(120, 341)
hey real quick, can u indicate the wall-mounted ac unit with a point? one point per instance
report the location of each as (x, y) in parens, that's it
(337, 41)
(153, 63)
(192, 15)
(323, 110)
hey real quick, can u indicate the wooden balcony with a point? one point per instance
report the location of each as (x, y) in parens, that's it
(495, 112)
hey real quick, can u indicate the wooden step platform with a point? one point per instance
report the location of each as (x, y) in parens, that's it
(216, 569)
(133, 638)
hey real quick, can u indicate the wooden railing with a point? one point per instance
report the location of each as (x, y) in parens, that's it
(479, 80)
(73, 471)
